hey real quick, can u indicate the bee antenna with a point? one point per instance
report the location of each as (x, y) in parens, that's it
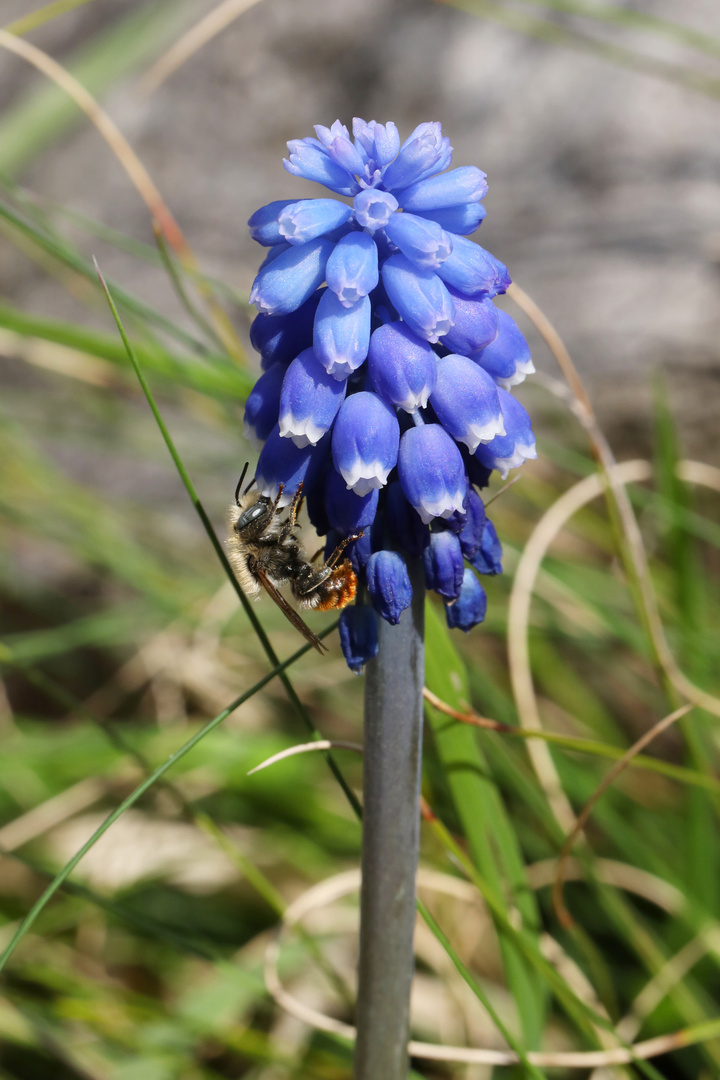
(249, 486)
(240, 483)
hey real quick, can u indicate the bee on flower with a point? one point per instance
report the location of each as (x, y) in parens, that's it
(387, 369)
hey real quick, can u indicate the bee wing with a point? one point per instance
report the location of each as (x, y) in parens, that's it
(289, 612)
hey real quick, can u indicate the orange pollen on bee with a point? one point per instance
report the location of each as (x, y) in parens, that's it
(339, 589)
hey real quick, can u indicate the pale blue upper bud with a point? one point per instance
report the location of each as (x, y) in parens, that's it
(470, 607)
(358, 629)
(309, 218)
(379, 143)
(419, 296)
(424, 152)
(264, 225)
(466, 401)
(281, 462)
(342, 334)
(309, 159)
(348, 512)
(444, 564)
(461, 220)
(373, 208)
(507, 358)
(389, 585)
(473, 271)
(263, 405)
(352, 269)
(288, 281)
(337, 143)
(309, 400)
(365, 442)
(424, 242)
(403, 367)
(474, 325)
(431, 471)
(464, 185)
(509, 451)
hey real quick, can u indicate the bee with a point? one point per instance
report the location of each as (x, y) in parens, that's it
(265, 553)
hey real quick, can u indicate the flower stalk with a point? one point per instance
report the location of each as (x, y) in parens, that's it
(391, 830)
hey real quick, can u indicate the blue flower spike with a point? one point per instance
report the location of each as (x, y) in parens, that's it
(387, 367)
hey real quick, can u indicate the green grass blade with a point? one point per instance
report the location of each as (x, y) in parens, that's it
(491, 839)
(28, 23)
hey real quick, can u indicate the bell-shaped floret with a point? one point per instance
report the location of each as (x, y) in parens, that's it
(507, 358)
(358, 629)
(347, 512)
(402, 367)
(463, 185)
(462, 220)
(431, 472)
(263, 406)
(473, 271)
(470, 607)
(403, 526)
(342, 334)
(282, 462)
(290, 279)
(422, 241)
(419, 296)
(509, 451)
(373, 209)
(389, 585)
(466, 401)
(365, 442)
(488, 557)
(280, 338)
(309, 218)
(352, 269)
(264, 226)
(444, 564)
(474, 326)
(309, 400)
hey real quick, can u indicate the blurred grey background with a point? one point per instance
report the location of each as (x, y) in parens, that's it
(603, 179)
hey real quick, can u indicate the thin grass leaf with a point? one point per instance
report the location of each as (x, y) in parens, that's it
(220, 552)
(44, 14)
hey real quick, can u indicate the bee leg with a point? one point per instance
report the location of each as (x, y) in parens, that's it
(334, 558)
(292, 521)
(317, 554)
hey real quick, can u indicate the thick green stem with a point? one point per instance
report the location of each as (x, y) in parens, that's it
(391, 835)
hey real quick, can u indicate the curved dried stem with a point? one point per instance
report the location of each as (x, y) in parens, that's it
(191, 41)
(307, 748)
(582, 818)
(620, 507)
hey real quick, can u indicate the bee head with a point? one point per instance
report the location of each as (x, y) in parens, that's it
(253, 521)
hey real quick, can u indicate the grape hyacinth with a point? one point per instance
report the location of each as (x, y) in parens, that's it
(387, 368)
